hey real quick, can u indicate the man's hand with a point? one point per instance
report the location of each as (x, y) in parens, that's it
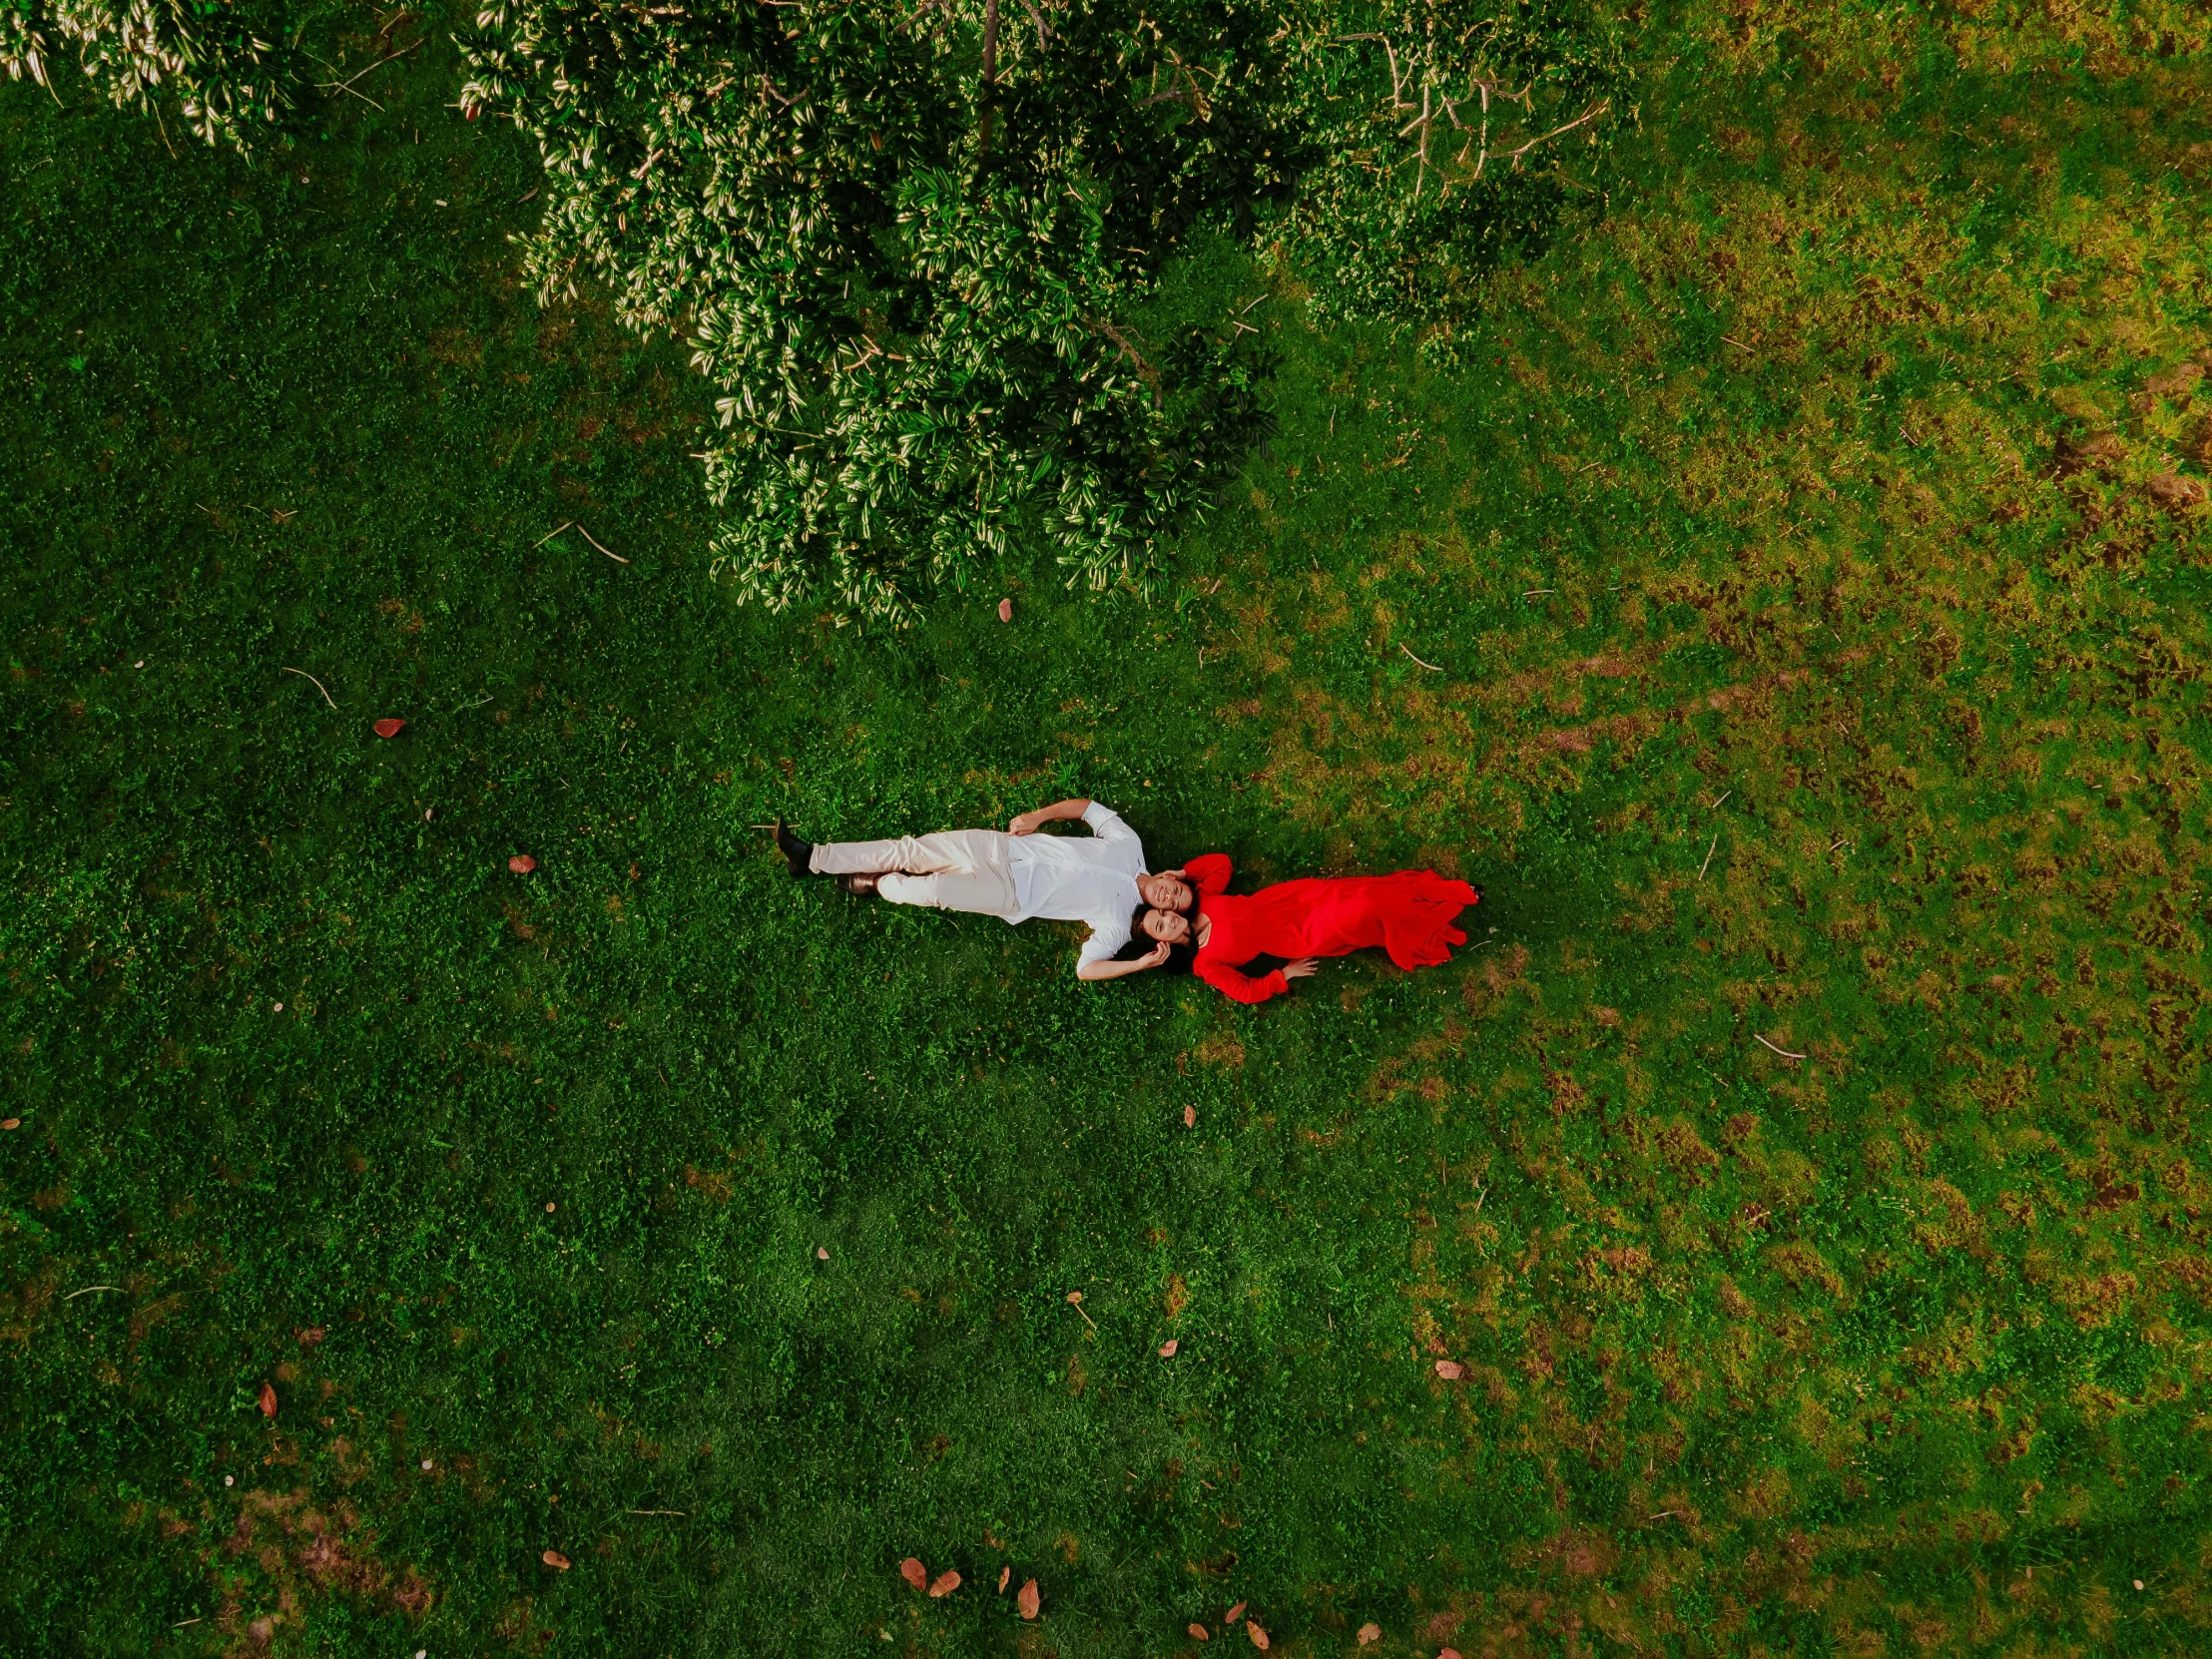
(1305, 967)
(1028, 824)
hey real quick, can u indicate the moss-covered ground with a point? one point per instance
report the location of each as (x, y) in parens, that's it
(1792, 611)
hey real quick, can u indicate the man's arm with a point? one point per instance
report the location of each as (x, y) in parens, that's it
(1025, 823)
(1107, 968)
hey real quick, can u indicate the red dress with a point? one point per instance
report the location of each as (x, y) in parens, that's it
(1409, 914)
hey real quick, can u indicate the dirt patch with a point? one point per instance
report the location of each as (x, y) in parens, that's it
(306, 1556)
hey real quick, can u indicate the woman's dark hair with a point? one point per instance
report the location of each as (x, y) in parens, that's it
(1179, 956)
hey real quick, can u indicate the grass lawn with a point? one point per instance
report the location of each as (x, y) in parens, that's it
(1793, 613)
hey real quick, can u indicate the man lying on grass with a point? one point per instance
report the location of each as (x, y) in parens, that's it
(1014, 874)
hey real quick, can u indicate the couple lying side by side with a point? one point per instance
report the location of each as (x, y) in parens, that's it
(1100, 880)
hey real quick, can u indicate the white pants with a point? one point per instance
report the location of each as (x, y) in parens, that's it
(953, 870)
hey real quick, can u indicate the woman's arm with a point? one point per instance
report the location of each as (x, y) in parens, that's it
(1108, 968)
(1241, 987)
(1208, 872)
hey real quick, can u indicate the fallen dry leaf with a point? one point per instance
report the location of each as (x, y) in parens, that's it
(1234, 1614)
(1199, 1631)
(946, 1583)
(1259, 1636)
(522, 863)
(269, 1400)
(915, 1573)
(1448, 1653)
(1005, 610)
(555, 1559)
(1450, 1370)
(1076, 1298)
(388, 727)
(11, 1123)
(308, 1339)
(1190, 1117)
(1028, 1598)
(1005, 1573)
(1167, 1347)
(822, 1253)
(1370, 1633)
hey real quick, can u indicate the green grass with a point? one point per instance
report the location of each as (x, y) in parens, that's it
(1784, 689)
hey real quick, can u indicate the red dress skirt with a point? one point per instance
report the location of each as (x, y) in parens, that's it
(1409, 914)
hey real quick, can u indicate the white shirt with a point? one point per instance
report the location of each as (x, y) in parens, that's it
(1090, 879)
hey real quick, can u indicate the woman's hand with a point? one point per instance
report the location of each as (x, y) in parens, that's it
(1304, 968)
(1155, 956)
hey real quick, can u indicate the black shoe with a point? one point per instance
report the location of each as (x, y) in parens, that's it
(798, 854)
(859, 886)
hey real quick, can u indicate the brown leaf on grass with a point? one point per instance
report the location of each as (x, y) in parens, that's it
(1199, 1631)
(1234, 1614)
(1258, 1636)
(1005, 610)
(1450, 1370)
(1075, 1297)
(310, 1338)
(1448, 1653)
(555, 1559)
(11, 1123)
(269, 1400)
(915, 1573)
(1028, 1599)
(1167, 1347)
(388, 727)
(1190, 1117)
(2171, 490)
(945, 1584)
(522, 863)
(1005, 1573)
(1370, 1633)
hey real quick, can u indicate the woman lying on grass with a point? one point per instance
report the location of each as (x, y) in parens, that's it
(1409, 914)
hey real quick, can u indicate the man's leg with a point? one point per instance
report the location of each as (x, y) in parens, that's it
(969, 871)
(948, 850)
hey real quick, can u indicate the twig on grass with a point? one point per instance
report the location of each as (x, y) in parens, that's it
(656, 1512)
(346, 84)
(1701, 869)
(88, 1289)
(1784, 1052)
(1538, 593)
(550, 534)
(318, 683)
(1431, 667)
(1716, 806)
(594, 540)
(1838, 842)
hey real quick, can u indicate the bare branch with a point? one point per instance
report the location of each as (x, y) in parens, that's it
(1591, 114)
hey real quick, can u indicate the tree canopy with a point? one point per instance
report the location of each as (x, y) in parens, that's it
(916, 246)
